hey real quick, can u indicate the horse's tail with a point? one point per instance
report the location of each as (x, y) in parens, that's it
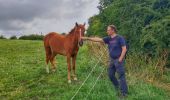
(47, 47)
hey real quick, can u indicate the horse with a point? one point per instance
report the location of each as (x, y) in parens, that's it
(66, 45)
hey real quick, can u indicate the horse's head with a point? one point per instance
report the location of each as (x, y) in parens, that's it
(80, 32)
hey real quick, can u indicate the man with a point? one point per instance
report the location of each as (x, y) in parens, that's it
(117, 51)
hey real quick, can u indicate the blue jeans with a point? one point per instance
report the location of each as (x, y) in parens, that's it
(116, 66)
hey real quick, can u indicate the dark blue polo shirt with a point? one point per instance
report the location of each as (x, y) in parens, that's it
(115, 45)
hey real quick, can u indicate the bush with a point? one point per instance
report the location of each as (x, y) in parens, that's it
(32, 37)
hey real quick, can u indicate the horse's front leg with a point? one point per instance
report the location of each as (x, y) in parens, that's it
(69, 68)
(74, 67)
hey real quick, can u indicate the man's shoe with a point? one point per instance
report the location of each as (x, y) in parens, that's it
(123, 96)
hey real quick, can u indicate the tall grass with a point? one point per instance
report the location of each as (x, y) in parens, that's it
(144, 67)
(149, 69)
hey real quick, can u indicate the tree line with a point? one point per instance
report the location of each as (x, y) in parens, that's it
(25, 37)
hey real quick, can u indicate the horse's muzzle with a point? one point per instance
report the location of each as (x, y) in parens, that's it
(81, 43)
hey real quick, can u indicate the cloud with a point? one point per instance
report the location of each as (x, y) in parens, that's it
(20, 17)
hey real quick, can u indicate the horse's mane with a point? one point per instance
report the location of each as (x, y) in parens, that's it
(72, 31)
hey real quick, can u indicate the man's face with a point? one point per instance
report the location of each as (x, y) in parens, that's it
(110, 31)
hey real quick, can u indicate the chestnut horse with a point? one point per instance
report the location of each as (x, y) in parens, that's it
(66, 45)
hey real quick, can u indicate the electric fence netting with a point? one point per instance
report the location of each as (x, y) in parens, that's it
(99, 56)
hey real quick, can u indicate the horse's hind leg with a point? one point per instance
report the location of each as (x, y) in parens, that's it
(48, 54)
(52, 60)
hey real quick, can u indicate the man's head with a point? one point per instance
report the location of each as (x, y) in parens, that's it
(111, 29)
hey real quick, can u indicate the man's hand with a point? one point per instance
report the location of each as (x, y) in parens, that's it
(84, 38)
(120, 60)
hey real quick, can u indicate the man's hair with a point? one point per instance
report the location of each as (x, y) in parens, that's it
(113, 27)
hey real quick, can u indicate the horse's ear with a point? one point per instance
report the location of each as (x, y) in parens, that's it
(77, 24)
(84, 23)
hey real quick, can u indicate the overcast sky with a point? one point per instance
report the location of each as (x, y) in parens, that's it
(19, 17)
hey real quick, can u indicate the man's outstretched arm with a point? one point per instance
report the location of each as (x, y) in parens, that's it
(95, 39)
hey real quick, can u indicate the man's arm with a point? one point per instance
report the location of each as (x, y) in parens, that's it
(123, 53)
(95, 39)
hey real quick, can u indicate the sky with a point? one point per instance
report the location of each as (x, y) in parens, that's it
(24, 17)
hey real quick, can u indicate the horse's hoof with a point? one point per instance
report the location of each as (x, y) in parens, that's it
(75, 78)
(69, 81)
(47, 70)
(53, 70)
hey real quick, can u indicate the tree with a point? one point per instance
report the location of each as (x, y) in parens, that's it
(2, 37)
(13, 37)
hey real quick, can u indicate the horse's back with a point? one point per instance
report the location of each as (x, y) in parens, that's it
(52, 34)
(52, 37)
(55, 42)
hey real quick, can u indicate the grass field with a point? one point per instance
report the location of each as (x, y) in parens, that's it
(23, 77)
